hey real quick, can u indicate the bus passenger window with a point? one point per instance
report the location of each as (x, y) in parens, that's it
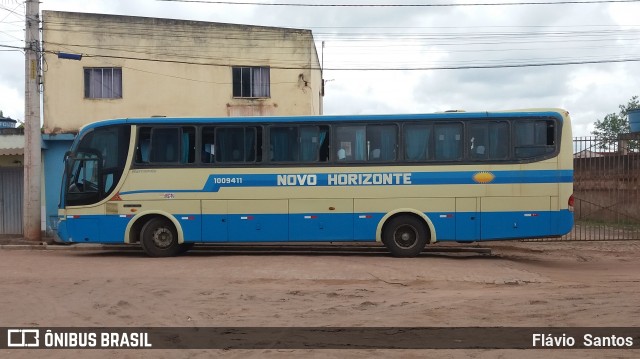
(382, 142)
(284, 144)
(534, 138)
(237, 144)
(313, 141)
(188, 145)
(488, 140)
(165, 145)
(207, 152)
(351, 143)
(417, 142)
(144, 144)
(448, 142)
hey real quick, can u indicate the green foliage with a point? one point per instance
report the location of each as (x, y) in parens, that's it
(608, 129)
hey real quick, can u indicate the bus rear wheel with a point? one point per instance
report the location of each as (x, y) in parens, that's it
(159, 238)
(405, 236)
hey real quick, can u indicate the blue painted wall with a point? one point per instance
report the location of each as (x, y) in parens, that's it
(53, 149)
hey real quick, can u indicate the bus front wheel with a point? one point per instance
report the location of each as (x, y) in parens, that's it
(159, 238)
(405, 236)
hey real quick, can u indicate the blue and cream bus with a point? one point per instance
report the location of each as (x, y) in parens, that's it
(403, 180)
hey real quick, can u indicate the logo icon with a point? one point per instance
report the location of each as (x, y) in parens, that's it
(483, 177)
(23, 338)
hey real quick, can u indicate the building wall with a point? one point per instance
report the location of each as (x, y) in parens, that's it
(53, 152)
(173, 68)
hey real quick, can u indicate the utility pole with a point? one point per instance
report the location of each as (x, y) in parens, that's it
(32, 137)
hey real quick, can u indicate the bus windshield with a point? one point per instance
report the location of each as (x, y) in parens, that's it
(95, 165)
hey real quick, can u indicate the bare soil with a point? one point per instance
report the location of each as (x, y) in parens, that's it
(520, 284)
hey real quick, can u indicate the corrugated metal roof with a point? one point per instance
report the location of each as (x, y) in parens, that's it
(11, 145)
(11, 151)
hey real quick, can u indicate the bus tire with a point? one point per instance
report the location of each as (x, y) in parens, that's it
(405, 236)
(159, 238)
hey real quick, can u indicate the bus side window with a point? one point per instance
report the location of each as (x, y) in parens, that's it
(350, 143)
(488, 140)
(534, 138)
(417, 142)
(238, 144)
(144, 144)
(314, 144)
(208, 150)
(382, 141)
(188, 145)
(165, 145)
(284, 142)
(323, 151)
(448, 141)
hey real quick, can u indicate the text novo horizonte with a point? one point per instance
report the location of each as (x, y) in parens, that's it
(345, 179)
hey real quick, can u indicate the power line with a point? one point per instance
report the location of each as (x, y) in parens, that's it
(427, 68)
(12, 47)
(563, 2)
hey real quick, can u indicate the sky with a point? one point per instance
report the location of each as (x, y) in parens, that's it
(419, 59)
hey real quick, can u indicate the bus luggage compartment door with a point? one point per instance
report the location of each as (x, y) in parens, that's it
(467, 219)
(258, 220)
(321, 219)
(515, 217)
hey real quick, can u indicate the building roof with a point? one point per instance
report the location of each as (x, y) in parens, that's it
(11, 143)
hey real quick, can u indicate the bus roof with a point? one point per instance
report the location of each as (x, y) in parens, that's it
(558, 113)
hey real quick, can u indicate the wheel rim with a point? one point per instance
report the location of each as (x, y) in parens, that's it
(162, 237)
(405, 236)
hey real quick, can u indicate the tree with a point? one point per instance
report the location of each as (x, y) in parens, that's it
(614, 124)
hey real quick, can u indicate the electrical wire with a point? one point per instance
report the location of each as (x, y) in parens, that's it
(562, 2)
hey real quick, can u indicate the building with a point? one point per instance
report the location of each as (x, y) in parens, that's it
(141, 67)
(100, 66)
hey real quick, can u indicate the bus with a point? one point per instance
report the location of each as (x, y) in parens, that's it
(403, 180)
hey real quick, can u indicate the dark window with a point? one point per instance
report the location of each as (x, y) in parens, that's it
(238, 144)
(208, 149)
(251, 82)
(448, 141)
(534, 138)
(103, 82)
(366, 143)
(350, 143)
(166, 145)
(299, 143)
(488, 140)
(382, 142)
(417, 142)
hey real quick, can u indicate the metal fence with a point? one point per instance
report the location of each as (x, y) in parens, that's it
(11, 183)
(607, 198)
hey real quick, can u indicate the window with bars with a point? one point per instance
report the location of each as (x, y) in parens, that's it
(251, 82)
(103, 82)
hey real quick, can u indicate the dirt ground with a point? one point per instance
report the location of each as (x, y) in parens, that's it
(519, 284)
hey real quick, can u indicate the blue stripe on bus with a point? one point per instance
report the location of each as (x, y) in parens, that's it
(217, 181)
(334, 227)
